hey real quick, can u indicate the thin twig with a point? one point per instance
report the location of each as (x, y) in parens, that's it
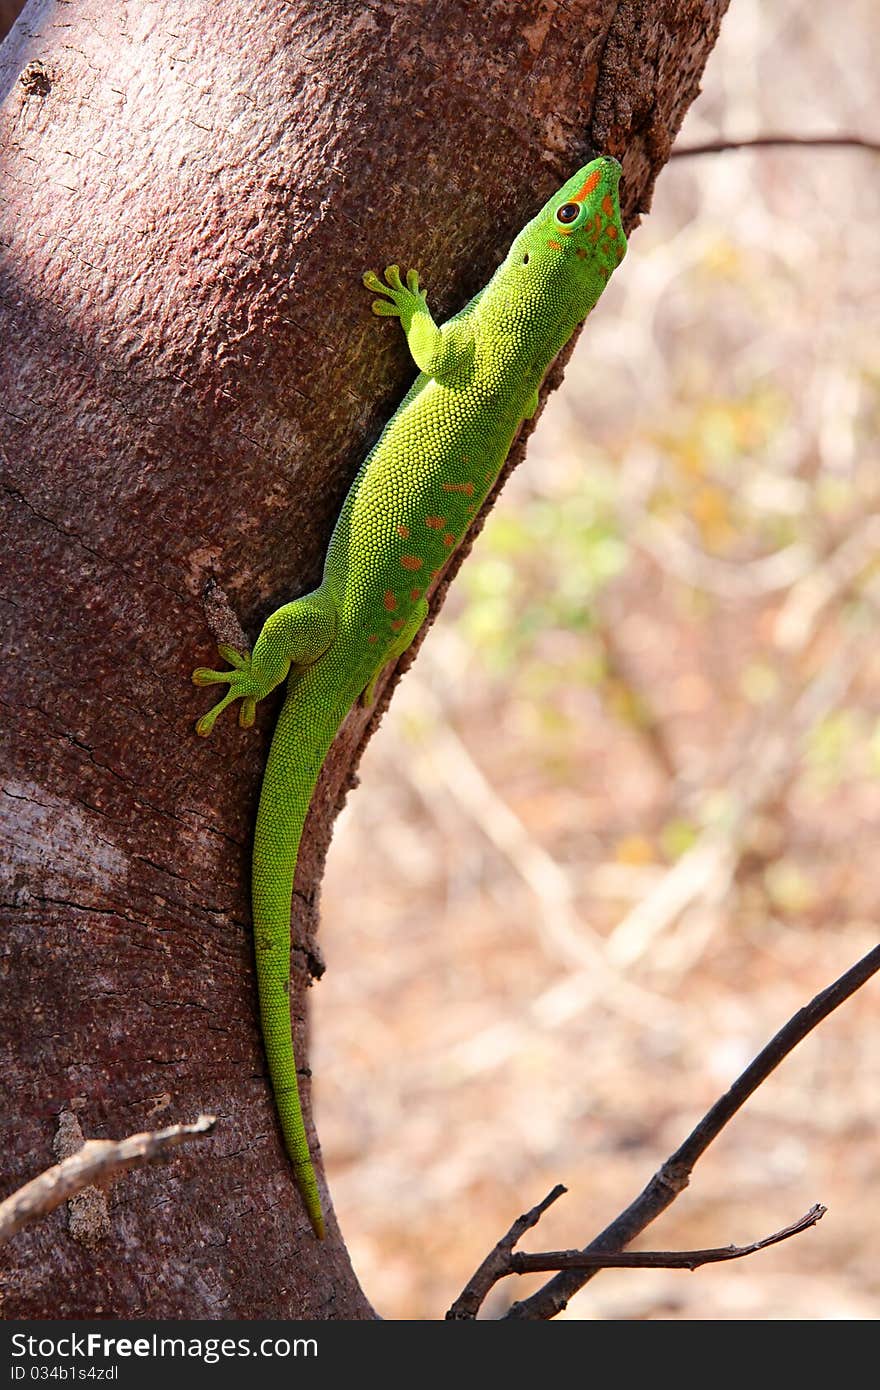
(674, 1175)
(760, 142)
(521, 1263)
(497, 1262)
(642, 718)
(96, 1161)
(766, 755)
(504, 1260)
(557, 917)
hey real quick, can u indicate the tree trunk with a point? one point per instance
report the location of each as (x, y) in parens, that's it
(190, 376)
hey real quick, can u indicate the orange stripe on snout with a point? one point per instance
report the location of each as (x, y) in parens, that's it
(591, 182)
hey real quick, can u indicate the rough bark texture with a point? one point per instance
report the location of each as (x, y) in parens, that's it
(190, 376)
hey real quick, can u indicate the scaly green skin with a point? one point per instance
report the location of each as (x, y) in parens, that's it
(408, 508)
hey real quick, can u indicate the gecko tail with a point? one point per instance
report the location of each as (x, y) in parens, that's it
(306, 728)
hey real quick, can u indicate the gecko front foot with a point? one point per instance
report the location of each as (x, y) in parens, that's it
(242, 686)
(403, 301)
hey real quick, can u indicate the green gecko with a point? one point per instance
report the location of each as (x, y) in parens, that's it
(411, 503)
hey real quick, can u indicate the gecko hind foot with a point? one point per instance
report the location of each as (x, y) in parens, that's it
(295, 634)
(242, 686)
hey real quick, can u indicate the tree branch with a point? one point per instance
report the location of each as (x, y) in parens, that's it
(96, 1161)
(503, 1260)
(521, 1263)
(674, 1175)
(760, 142)
(497, 1262)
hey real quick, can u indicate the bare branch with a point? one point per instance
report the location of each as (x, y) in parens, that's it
(96, 1161)
(563, 931)
(505, 1260)
(761, 142)
(497, 1262)
(674, 1175)
(521, 1263)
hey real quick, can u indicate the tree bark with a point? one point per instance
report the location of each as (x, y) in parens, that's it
(190, 375)
(9, 12)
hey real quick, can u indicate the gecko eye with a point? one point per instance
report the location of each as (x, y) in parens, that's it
(568, 213)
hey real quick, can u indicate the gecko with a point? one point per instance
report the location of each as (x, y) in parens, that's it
(408, 508)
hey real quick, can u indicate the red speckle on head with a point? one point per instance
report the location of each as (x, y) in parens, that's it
(590, 184)
(389, 601)
(448, 539)
(414, 594)
(581, 252)
(373, 637)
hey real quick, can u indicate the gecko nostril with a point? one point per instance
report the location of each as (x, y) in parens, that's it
(526, 258)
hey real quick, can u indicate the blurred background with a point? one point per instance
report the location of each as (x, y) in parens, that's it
(622, 818)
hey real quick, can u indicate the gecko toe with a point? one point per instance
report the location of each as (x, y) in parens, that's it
(203, 676)
(235, 658)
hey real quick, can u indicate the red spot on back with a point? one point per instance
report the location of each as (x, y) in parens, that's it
(411, 562)
(403, 532)
(373, 637)
(389, 600)
(554, 245)
(414, 594)
(436, 523)
(397, 624)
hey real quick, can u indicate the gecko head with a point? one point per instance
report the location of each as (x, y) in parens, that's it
(569, 251)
